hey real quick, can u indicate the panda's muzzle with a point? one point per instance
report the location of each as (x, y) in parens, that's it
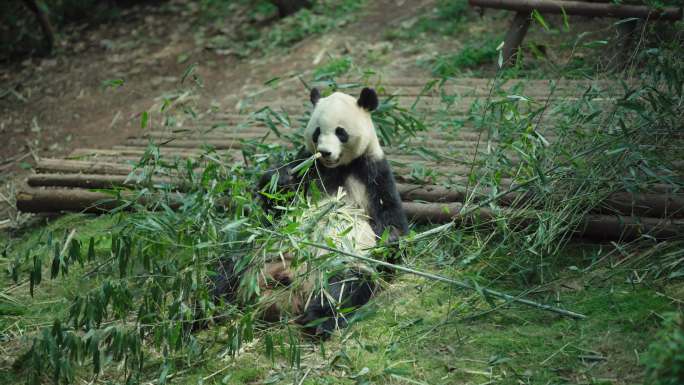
(328, 159)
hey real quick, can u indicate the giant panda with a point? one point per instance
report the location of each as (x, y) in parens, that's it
(342, 131)
(351, 169)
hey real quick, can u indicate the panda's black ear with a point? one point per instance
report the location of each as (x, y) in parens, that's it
(314, 96)
(368, 99)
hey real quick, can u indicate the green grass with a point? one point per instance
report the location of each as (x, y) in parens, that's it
(446, 18)
(665, 357)
(22, 315)
(252, 36)
(512, 343)
(470, 56)
(415, 331)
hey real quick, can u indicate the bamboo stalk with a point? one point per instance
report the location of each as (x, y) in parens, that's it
(461, 284)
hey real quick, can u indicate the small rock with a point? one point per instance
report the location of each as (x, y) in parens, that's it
(107, 44)
(48, 63)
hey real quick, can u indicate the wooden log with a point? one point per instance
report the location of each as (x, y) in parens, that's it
(462, 138)
(95, 181)
(234, 144)
(33, 200)
(607, 227)
(49, 165)
(621, 203)
(131, 155)
(593, 226)
(198, 134)
(437, 194)
(597, 227)
(264, 132)
(583, 8)
(217, 144)
(135, 151)
(644, 205)
(514, 37)
(626, 37)
(45, 26)
(58, 200)
(661, 205)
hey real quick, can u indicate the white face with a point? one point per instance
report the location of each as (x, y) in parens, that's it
(341, 131)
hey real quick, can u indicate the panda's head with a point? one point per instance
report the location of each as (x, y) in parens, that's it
(341, 128)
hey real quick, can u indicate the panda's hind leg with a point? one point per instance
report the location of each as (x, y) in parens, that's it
(321, 316)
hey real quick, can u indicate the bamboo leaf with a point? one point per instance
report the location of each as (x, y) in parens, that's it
(539, 19)
(91, 249)
(144, 117)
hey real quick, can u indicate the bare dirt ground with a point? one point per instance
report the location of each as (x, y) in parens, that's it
(60, 103)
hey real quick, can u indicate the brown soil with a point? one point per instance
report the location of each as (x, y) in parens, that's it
(60, 103)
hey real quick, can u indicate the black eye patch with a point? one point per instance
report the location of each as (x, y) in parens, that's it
(342, 134)
(316, 134)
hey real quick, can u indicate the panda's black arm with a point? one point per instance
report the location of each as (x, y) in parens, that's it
(385, 206)
(287, 180)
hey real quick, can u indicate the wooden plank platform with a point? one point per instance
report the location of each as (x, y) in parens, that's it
(427, 166)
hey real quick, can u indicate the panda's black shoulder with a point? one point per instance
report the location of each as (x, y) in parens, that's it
(371, 169)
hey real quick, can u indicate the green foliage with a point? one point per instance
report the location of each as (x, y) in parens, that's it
(19, 30)
(447, 18)
(665, 358)
(324, 16)
(145, 283)
(217, 10)
(333, 69)
(256, 36)
(152, 284)
(470, 56)
(117, 301)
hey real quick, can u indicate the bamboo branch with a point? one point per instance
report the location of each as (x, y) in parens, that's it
(461, 284)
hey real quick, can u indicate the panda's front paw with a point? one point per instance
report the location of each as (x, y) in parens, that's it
(394, 235)
(320, 328)
(285, 178)
(280, 176)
